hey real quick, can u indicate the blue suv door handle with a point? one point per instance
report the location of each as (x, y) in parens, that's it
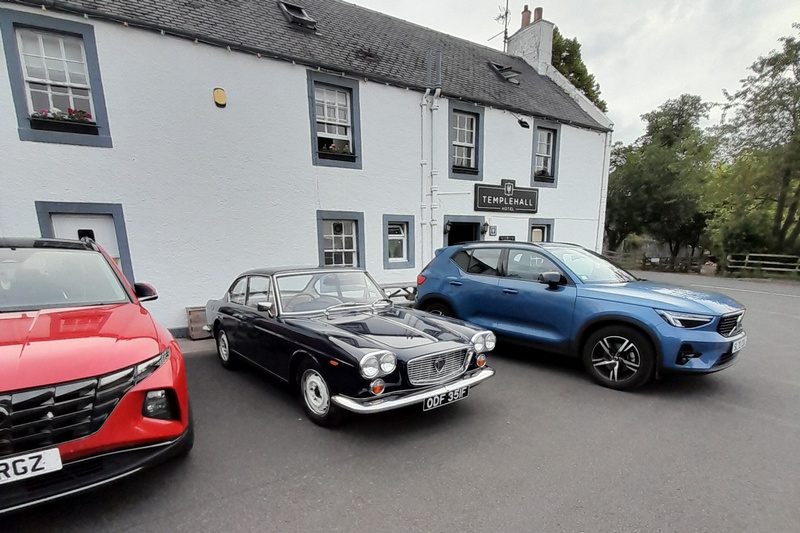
(456, 283)
(511, 291)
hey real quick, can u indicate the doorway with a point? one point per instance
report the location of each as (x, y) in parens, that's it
(462, 232)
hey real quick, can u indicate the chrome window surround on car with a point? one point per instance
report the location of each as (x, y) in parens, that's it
(470, 353)
(314, 272)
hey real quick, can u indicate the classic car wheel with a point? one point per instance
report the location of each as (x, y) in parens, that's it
(619, 357)
(316, 396)
(227, 359)
(439, 308)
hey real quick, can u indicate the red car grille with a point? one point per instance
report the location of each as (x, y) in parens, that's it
(45, 416)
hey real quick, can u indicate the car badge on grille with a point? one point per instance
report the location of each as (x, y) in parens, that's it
(438, 365)
(49, 415)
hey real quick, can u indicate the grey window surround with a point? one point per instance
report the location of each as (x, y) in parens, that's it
(549, 222)
(355, 118)
(408, 220)
(44, 210)
(355, 216)
(478, 112)
(9, 21)
(551, 183)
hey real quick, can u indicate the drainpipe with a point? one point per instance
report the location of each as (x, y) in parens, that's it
(434, 106)
(422, 164)
(601, 211)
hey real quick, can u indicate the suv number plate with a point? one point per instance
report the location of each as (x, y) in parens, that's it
(443, 399)
(29, 465)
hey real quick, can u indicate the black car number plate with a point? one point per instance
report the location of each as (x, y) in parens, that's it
(446, 397)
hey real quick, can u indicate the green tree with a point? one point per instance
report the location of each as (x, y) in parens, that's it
(568, 61)
(658, 184)
(764, 135)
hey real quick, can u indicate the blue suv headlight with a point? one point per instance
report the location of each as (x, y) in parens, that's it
(684, 320)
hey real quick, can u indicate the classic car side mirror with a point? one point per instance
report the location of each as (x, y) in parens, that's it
(550, 278)
(266, 307)
(144, 292)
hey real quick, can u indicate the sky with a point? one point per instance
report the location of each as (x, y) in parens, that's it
(641, 52)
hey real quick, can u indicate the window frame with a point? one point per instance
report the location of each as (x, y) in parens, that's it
(474, 173)
(229, 294)
(248, 292)
(550, 181)
(410, 259)
(349, 216)
(351, 87)
(548, 223)
(10, 21)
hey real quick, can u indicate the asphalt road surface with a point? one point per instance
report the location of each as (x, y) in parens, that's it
(538, 448)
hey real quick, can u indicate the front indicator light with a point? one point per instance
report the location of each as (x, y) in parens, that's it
(377, 386)
(481, 360)
(160, 404)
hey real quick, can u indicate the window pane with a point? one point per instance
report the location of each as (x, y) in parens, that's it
(82, 104)
(395, 229)
(34, 66)
(41, 101)
(328, 258)
(349, 258)
(396, 249)
(52, 46)
(348, 243)
(484, 261)
(72, 47)
(30, 42)
(61, 102)
(55, 70)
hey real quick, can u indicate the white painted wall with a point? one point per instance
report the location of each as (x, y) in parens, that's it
(210, 192)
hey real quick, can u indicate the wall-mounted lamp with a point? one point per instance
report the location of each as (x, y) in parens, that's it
(484, 228)
(447, 227)
(522, 123)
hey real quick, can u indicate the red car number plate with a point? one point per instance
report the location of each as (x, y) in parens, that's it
(446, 397)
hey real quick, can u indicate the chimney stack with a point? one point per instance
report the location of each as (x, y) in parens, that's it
(534, 41)
(526, 17)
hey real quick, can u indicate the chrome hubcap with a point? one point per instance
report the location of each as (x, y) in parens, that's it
(315, 392)
(616, 358)
(222, 344)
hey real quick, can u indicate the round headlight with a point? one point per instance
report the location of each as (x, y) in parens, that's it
(370, 367)
(491, 341)
(388, 363)
(478, 341)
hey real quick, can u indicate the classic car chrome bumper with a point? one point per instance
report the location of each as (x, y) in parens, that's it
(394, 400)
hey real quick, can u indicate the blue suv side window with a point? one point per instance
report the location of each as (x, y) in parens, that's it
(527, 265)
(484, 261)
(461, 258)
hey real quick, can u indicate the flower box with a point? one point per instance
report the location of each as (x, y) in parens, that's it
(336, 156)
(66, 126)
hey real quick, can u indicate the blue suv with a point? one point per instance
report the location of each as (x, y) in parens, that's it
(566, 299)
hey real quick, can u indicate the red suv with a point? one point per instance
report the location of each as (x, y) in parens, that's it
(91, 387)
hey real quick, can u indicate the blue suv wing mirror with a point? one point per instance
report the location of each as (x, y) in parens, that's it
(550, 278)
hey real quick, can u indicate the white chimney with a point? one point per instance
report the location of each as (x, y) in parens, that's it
(533, 42)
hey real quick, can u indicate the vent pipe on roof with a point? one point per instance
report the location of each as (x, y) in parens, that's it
(526, 17)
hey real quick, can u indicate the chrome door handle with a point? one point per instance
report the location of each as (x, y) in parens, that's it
(511, 291)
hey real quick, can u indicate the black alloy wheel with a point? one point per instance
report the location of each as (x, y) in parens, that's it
(439, 308)
(619, 357)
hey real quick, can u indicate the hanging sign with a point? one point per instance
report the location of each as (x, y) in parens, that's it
(506, 197)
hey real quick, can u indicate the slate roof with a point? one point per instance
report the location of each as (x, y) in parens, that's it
(347, 37)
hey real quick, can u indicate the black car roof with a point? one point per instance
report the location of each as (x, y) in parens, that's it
(38, 242)
(269, 271)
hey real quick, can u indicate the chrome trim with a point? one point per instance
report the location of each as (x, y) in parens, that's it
(386, 404)
(467, 360)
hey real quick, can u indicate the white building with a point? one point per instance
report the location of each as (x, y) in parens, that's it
(210, 146)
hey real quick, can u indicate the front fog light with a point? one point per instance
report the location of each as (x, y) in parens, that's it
(480, 360)
(377, 386)
(159, 404)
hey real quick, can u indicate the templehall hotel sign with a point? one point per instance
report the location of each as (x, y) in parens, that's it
(506, 197)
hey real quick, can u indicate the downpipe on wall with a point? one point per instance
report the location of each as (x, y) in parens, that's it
(434, 204)
(423, 163)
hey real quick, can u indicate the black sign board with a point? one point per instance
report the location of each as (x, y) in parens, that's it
(508, 238)
(506, 197)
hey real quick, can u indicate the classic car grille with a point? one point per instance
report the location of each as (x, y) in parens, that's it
(45, 416)
(728, 324)
(422, 370)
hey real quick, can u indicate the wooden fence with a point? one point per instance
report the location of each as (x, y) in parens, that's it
(663, 263)
(786, 264)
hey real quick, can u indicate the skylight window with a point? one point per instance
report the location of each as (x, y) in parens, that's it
(297, 15)
(508, 73)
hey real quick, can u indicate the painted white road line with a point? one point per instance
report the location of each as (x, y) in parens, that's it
(718, 287)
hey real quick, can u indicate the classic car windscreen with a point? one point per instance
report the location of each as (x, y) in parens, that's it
(41, 278)
(300, 293)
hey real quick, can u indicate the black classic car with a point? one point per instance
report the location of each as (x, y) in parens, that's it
(332, 334)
